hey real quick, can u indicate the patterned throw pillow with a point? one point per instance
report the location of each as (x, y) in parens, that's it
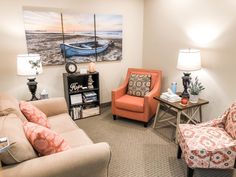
(139, 84)
(44, 140)
(33, 114)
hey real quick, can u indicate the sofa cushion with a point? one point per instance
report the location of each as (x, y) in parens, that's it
(62, 123)
(130, 103)
(12, 127)
(139, 84)
(9, 105)
(44, 140)
(76, 138)
(230, 123)
(33, 114)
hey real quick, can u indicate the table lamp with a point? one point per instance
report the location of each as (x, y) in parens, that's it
(30, 65)
(188, 60)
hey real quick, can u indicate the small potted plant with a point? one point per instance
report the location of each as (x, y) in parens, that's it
(194, 89)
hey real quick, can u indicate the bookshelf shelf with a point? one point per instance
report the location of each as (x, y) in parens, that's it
(82, 102)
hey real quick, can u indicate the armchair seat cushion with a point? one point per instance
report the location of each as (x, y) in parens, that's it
(206, 147)
(131, 103)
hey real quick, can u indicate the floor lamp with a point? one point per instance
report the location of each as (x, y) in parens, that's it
(30, 65)
(188, 60)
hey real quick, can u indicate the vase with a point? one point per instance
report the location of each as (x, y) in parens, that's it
(193, 98)
(91, 67)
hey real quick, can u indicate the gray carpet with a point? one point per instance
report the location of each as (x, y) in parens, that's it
(139, 151)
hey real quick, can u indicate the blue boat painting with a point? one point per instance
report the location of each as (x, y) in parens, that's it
(84, 48)
(67, 36)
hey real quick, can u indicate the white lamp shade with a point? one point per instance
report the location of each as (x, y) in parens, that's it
(26, 65)
(189, 60)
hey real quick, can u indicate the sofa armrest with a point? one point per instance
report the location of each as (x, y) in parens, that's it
(52, 106)
(85, 161)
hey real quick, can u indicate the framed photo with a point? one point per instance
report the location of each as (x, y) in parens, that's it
(76, 99)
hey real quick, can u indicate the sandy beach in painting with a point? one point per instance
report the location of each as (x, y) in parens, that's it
(48, 46)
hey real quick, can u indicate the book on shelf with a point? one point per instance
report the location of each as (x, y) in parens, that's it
(75, 112)
(89, 97)
(89, 94)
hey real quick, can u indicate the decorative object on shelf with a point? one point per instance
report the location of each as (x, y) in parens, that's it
(188, 60)
(75, 86)
(194, 89)
(44, 94)
(30, 65)
(90, 82)
(83, 71)
(71, 67)
(76, 99)
(91, 67)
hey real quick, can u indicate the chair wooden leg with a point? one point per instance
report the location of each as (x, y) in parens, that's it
(179, 152)
(190, 172)
(114, 117)
(235, 163)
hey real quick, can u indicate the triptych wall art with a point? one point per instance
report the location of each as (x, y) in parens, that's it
(61, 37)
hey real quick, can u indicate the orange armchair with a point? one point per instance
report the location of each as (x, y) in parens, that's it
(137, 108)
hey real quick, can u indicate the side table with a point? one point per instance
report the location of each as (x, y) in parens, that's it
(189, 111)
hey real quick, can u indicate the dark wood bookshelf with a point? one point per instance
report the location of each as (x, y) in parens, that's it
(75, 85)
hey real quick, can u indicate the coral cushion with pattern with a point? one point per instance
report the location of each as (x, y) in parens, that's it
(44, 140)
(33, 114)
(139, 84)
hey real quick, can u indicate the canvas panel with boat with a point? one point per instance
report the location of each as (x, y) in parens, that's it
(73, 37)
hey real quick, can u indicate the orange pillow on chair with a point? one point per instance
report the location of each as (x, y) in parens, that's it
(44, 140)
(33, 114)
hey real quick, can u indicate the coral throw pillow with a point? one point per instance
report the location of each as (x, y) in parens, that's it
(33, 114)
(44, 140)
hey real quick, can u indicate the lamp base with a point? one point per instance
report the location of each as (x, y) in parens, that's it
(32, 84)
(186, 81)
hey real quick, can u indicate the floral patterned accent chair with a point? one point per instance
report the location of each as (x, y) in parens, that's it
(134, 98)
(211, 144)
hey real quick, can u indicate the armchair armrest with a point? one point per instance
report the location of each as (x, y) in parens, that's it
(117, 93)
(85, 161)
(150, 104)
(212, 123)
(52, 106)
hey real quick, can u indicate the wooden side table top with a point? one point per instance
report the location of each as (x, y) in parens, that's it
(180, 107)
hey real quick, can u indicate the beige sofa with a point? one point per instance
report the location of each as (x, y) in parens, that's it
(85, 159)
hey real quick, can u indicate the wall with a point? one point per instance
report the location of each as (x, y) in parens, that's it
(12, 37)
(170, 25)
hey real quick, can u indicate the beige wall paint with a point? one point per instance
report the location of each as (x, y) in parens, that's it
(12, 42)
(170, 25)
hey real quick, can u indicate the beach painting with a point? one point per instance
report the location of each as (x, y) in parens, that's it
(109, 29)
(78, 37)
(43, 32)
